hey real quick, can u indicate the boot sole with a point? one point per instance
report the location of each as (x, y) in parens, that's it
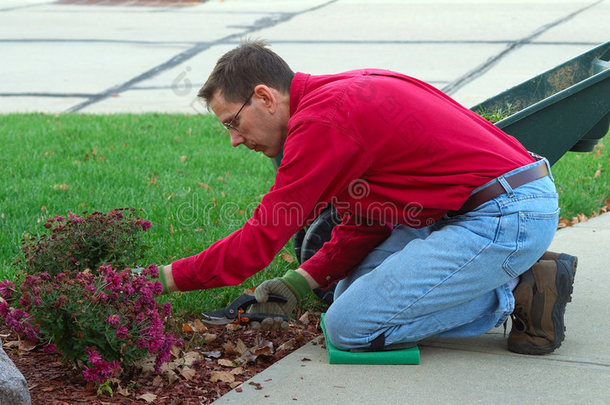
(564, 280)
(573, 263)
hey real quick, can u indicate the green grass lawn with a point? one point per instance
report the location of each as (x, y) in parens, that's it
(182, 172)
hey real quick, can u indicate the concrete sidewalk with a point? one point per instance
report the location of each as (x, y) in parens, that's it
(105, 58)
(474, 370)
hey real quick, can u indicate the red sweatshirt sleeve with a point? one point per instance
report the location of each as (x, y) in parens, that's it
(319, 162)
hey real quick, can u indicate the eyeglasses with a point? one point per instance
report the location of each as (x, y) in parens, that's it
(231, 124)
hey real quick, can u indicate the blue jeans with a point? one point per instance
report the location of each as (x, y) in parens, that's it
(449, 279)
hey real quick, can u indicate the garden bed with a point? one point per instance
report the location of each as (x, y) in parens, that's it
(206, 371)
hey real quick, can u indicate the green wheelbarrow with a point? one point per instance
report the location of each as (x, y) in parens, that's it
(563, 109)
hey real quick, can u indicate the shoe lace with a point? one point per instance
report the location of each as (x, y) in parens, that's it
(519, 319)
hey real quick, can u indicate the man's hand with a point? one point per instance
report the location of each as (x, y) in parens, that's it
(293, 286)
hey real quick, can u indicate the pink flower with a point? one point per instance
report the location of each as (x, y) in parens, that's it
(121, 332)
(30, 280)
(157, 288)
(6, 289)
(167, 309)
(4, 308)
(128, 289)
(75, 218)
(92, 355)
(152, 271)
(144, 223)
(49, 348)
(99, 370)
(114, 320)
(102, 296)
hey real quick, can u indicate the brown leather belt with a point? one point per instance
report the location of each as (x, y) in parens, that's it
(495, 189)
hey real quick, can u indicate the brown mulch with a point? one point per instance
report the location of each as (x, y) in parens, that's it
(220, 366)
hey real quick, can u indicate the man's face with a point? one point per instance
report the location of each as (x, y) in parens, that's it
(258, 124)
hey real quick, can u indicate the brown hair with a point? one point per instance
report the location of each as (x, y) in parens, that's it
(238, 71)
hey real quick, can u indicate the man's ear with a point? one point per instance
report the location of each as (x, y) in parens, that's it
(266, 95)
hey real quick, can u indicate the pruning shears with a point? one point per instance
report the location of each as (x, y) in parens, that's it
(236, 313)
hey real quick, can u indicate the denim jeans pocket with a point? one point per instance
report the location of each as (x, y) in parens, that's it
(534, 234)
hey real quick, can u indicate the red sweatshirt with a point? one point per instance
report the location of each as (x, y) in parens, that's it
(384, 148)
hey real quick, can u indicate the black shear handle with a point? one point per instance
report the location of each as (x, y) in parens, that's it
(244, 301)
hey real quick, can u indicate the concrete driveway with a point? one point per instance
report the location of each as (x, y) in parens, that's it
(107, 56)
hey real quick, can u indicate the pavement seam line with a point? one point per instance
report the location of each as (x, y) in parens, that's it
(294, 42)
(586, 362)
(490, 62)
(262, 23)
(24, 6)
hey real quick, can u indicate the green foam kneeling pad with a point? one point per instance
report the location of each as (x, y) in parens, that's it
(401, 356)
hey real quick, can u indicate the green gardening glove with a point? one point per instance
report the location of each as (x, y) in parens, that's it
(292, 286)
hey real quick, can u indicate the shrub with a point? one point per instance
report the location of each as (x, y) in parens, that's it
(81, 242)
(104, 322)
(101, 317)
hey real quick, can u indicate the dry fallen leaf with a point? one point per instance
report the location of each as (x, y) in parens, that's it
(188, 373)
(264, 348)
(191, 358)
(221, 376)
(257, 386)
(183, 159)
(237, 371)
(148, 397)
(62, 187)
(146, 364)
(287, 257)
(123, 391)
(233, 327)
(209, 337)
(213, 354)
(288, 345)
(175, 351)
(171, 376)
(204, 186)
(199, 326)
(225, 363)
(304, 319)
(598, 173)
(9, 345)
(27, 345)
(241, 347)
(157, 381)
(230, 348)
(187, 328)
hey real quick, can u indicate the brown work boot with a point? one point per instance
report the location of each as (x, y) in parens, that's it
(540, 303)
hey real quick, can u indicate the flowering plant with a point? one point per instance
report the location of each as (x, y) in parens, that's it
(107, 320)
(85, 241)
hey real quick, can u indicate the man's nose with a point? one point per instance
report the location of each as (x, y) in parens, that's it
(236, 138)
